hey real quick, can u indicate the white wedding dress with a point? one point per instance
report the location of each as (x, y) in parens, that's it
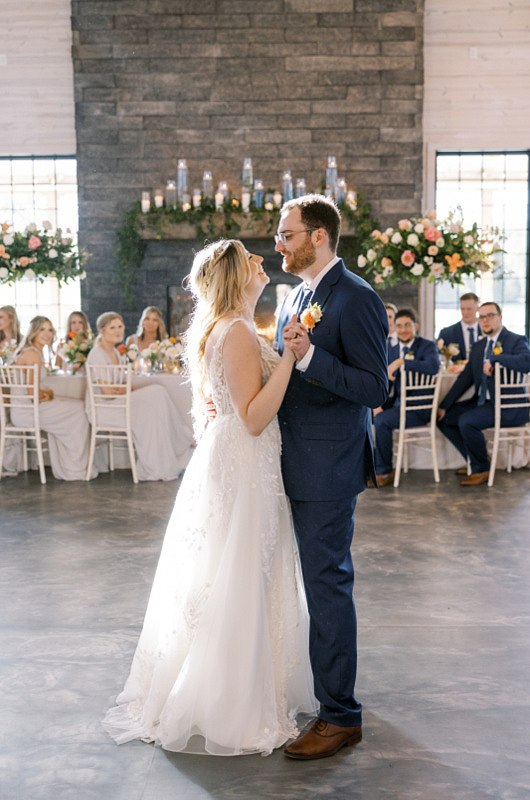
(222, 663)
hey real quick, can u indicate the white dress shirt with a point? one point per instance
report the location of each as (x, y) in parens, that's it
(465, 334)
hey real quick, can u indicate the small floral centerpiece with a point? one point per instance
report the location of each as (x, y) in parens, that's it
(152, 356)
(77, 347)
(429, 248)
(171, 352)
(448, 351)
(36, 253)
(7, 348)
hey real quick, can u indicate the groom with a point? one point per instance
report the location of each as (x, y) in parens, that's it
(325, 422)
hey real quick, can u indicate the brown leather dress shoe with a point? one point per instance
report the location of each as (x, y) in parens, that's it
(323, 739)
(461, 471)
(475, 479)
(385, 480)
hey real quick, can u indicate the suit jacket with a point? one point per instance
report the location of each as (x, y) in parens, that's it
(515, 355)
(426, 360)
(454, 334)
(325, 418)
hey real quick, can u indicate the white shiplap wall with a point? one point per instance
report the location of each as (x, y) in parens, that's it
(36, 78)
(477, 87)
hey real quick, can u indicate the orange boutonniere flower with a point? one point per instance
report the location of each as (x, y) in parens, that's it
(454, 261)
(310, 317)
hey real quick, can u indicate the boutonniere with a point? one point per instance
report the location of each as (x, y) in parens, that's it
(311, 316)
(497, 350)
(409, 357)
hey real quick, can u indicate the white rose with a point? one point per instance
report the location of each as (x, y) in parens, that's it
(31, 228)
(82, 276)
(371, 255)
(30, 275)
(52, 252)
(412, 239)
(396, 238)
(361, 261)
(440, 242)
(467, 240)
(389, 231)
(9, 239)
(4, 272)
(417, 269)
(269, 206)
(418, 228)
(428, 260)
(146, 353)
(46, 225)
(387, 271)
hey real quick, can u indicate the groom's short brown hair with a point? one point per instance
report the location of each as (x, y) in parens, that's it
(317, 211)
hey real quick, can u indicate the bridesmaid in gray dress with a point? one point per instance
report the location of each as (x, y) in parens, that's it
(159, 433)
(62, 418)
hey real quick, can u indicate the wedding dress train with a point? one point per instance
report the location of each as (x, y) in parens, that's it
(222, 663)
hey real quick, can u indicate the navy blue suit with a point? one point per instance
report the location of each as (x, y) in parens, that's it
(325, 423)
(464, 422)
(425, 360)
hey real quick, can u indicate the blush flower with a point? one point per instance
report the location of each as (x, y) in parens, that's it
(405, 225)
(34, 242)
(432, 234)
(408, 258)
(24, 261)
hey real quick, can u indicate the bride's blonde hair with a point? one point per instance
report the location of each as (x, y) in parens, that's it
(217, 280)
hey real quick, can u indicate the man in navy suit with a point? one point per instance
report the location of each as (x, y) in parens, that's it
(325, 423)
(466, 332)
(413, 353)
(464, 422)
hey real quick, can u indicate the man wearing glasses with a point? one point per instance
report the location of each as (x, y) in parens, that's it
(325, 423)
(463, 422)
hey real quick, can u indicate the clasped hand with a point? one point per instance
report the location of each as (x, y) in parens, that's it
(296, 338)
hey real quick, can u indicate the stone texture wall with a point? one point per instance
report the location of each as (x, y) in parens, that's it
(286, 82)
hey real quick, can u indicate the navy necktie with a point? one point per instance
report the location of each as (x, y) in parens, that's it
(305, 300)
(471, 332)
(483, 390)
(405, 351)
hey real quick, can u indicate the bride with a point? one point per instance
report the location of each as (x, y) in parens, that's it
(222, 663)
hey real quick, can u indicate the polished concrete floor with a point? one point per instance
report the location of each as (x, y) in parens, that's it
(443, 595)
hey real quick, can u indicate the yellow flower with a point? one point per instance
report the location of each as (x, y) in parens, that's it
(497, 350)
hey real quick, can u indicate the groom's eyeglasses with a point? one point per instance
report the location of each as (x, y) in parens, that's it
(285, 236)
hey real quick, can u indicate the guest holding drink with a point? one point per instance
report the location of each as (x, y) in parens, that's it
(78, 329)
(62, 418)
(159, 433)
(10, 335)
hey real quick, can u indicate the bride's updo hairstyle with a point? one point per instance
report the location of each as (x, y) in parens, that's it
(217, 280)
(104, 319)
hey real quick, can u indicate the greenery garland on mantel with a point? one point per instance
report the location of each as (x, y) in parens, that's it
(206, 223)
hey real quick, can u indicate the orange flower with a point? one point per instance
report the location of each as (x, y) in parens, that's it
(454, 262)
(4, 253)
(121, 349)
(172, 339)
(71, 335)
(386, 262)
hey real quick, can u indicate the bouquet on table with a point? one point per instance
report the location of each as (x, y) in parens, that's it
(7, 348)
(438, 250)
(76, 348)
(448, 351)
(171, 351)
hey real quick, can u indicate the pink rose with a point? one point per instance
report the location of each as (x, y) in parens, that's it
(34, 242)
(378, 279)
(405, 225)
(408, 258)
(24, 261)
(432, 234)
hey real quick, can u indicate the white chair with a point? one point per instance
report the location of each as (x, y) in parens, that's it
(512, 390)
(418, 393)
(103, 385)
(19, 387)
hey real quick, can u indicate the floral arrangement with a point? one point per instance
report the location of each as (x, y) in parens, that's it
(159, 354)
(310, 316)
(7, 348)
(77, 347)
(429, 248)
(36, 253)
(448, 351)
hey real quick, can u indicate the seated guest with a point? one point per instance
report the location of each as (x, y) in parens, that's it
(151, 328)
(159, 433)
(391, 311)
(415, 354)
(464, 422)
(10, 335)
(62, 418)
(466, 332)
(78, 324)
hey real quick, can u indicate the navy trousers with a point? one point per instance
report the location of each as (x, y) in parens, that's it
(385, 423)
(464, 422)
(324, 531)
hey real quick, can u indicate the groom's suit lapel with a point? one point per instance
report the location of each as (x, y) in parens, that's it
(325, 287)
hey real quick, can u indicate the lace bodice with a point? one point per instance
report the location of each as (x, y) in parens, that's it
(219, 389)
